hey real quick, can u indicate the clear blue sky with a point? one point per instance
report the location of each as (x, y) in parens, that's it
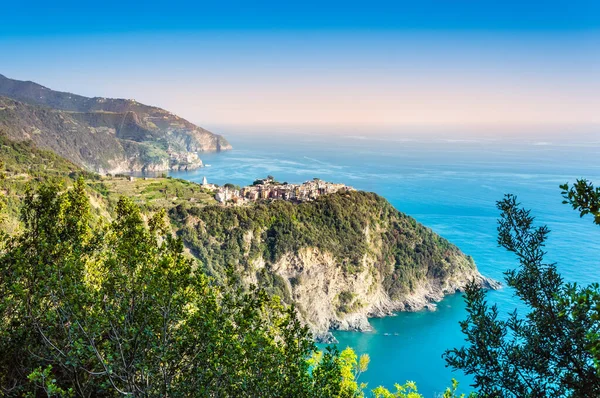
(78, 17)
(389, 62)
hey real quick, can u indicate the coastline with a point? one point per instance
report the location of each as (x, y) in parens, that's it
(425, 300)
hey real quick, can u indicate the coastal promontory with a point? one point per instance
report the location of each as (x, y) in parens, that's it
(104, 135)
(340, 258)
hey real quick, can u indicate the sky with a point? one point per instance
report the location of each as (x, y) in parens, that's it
(424, 63)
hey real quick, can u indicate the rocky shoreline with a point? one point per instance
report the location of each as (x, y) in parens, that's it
(316, 282)
(360, 322)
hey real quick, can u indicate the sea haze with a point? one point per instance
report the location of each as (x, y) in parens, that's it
(450, 182)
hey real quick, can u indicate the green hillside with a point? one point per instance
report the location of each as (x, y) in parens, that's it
(104, 135)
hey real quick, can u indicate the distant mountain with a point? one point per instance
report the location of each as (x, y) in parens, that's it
(103, 134)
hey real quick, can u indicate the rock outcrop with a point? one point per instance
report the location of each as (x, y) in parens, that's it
(318, 286)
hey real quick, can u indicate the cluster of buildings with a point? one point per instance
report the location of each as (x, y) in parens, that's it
(184, 161)
(268, 188)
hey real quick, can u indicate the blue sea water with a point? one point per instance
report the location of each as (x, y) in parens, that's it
(450, 182)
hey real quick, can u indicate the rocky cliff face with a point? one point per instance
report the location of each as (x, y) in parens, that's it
(329, 299)
(341, 259)
(103, 134)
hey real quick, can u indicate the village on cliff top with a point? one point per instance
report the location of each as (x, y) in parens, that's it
(268, 188)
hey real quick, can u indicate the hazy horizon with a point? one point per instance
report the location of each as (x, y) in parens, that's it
(542, 133)
(391, 63)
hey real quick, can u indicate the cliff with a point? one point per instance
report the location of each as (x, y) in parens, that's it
(105, 135)
(340, 259)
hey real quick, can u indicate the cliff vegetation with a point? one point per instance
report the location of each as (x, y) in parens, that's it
(340, 258)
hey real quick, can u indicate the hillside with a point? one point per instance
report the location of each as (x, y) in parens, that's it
(104, 135)
(340, 259)
(24, 166)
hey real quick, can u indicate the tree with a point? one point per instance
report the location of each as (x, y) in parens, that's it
(2, 177)
(351, 366)
(553, 349)
(100, 308)
(104, 309)
(582, 196)
(407, 390)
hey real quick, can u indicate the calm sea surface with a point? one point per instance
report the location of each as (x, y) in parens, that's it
(449, 182)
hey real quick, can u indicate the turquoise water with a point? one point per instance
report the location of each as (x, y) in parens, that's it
(449, 182)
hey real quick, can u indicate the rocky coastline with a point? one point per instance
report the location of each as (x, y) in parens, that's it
(316, 283)
(359, 322)
(340, 259)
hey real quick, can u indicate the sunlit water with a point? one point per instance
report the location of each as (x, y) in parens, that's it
(451, 185)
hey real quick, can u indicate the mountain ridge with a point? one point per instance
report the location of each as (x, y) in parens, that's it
(105, 135)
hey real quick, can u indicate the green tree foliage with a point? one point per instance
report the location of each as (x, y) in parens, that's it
(23, 165)
(23, 156)
(118, 309)
(45, 381)
(407, 390)
(2, 177)
(552, 350)
(583, 197)
(351, 366)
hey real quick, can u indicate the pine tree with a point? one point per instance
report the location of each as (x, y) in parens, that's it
(550, 351)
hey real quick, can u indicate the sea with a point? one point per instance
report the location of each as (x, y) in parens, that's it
(449, 180)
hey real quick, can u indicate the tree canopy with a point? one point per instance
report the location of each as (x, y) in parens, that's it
(552, 350)
(119, 310)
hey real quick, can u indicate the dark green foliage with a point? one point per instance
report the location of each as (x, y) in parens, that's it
(119, 310)
(584, 198)
(24, 157)
(348, 225)
(548, 352)
(344, 300)
(274, 285)
(27, 166)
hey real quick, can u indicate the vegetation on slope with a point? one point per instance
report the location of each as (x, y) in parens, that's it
(24, 167)
(118, 309)
(91, 306)
(95, 301)
(27, 167)
(60, 132)
(25, 157)
(349, 225)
